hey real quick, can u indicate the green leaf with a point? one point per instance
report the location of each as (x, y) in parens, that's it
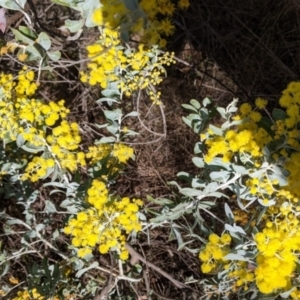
(206, 102)
(279, 114)
(189, 107)
(110, 93)
(191, 192)
(44, 40)
(22, 37)
(228, 212)
(28, 32)
(54, 55)
(49, 207)
(198, 162)
(216, 130)
(94, 265)
(266, 124)
(113, 115)
(74, 25)
(195, 103)
(13, 4)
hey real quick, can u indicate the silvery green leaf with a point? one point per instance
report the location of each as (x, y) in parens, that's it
(189, 107)
(32, 148)
(94, 265)
(281, 179)
(240, 169)
(22, 37)
(222, 112)
(13, 4)
(74, 25)
(113, 129)
(39, 227)
(232, 256)
(110, 93)
(107, 99)
(54, 55)
(225, 125)
(220, 176)
(183, 245)
(270, 202)
(198, 162)
(44, 40)
(49, 207)
(56, 184)
(206, 102)
(286, 294)
(132, 114)
(191, 192)
(195, 103)
(235, 228)
(216, 130)
(228, 212)
(197, 148)
(107, 139)
(113, 115)
(198, 183)
(257, 174)
(160, 201)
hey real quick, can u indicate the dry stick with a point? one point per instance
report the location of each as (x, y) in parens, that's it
(142, 123)
(136, 255)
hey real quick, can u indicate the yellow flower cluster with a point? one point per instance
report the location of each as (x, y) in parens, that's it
(242, 275)
(105, 224)
(278, 245)
(213, 253)
(31, 295)
(41, 125)
(112, 13)
(132, 69)
(112, 155)
(278, 242)
(35, 295)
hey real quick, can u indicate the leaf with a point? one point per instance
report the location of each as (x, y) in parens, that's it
(110, 93)
(94, 265)
(216, 130)
(191, 192)
(49, 207)
(266, 124)
(198, 162)
(74, 25)
(54, 55)
(279, 114)
(132, 114)
(235, 228)
(189, 107)
(232, 256)
(206, 102)
(113, 115)
(228, 212)
(44, 40)
(195, 103)
(22, 37)
(13, 5)
(107, 140)
(107, 99)
(20, 140)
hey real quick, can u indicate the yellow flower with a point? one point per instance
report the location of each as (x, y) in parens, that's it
(261, 103)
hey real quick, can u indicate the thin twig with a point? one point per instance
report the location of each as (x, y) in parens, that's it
(154, 267)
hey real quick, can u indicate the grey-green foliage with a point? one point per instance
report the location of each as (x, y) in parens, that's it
(38, 47)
